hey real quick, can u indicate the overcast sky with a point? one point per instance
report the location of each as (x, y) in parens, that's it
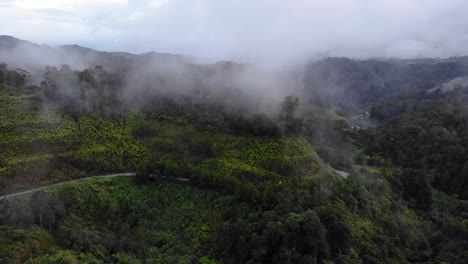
(248, 30)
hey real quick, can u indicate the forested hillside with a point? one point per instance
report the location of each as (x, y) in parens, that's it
(362, 162)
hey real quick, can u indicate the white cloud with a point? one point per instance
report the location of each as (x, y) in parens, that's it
(52, 4)
(64, 4)
(267, 30)
(157, 3)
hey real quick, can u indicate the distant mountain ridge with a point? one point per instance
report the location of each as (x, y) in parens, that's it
(34, 57)
(347, 82)
(7, 41)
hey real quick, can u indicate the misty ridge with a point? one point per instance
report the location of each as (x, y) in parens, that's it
(80, 79)
(207, 131)
(68, 72)
(340, 159)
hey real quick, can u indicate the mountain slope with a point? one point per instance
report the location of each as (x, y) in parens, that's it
(234, 164)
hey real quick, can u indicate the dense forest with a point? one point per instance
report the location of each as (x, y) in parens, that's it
(366, 163)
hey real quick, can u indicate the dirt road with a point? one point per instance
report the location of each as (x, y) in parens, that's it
(124, 174)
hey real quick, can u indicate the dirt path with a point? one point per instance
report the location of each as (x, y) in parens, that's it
(125, 174)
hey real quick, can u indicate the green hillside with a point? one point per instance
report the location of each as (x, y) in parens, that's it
(218, 183)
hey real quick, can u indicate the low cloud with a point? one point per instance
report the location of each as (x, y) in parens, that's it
(269, 32)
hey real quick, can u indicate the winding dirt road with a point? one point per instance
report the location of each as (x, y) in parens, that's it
(124, 174)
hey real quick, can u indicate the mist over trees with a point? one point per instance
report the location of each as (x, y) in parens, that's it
(341, 161)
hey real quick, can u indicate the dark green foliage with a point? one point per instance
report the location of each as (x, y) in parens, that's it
(427, 135)
(78, 93)
(289, 220)
(108, 220)
(13, 78)
(417, 188)
(296, 238)
(349, 83)
(288, 118)
(219, 183)
(43, 209)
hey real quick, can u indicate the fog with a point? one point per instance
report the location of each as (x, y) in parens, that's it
(262, 31)
(267, 42)
(456, 83)
(138, 79)
(235, 64)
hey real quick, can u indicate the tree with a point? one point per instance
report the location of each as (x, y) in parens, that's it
(43, 209)
(291, 124)
(417, 188)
